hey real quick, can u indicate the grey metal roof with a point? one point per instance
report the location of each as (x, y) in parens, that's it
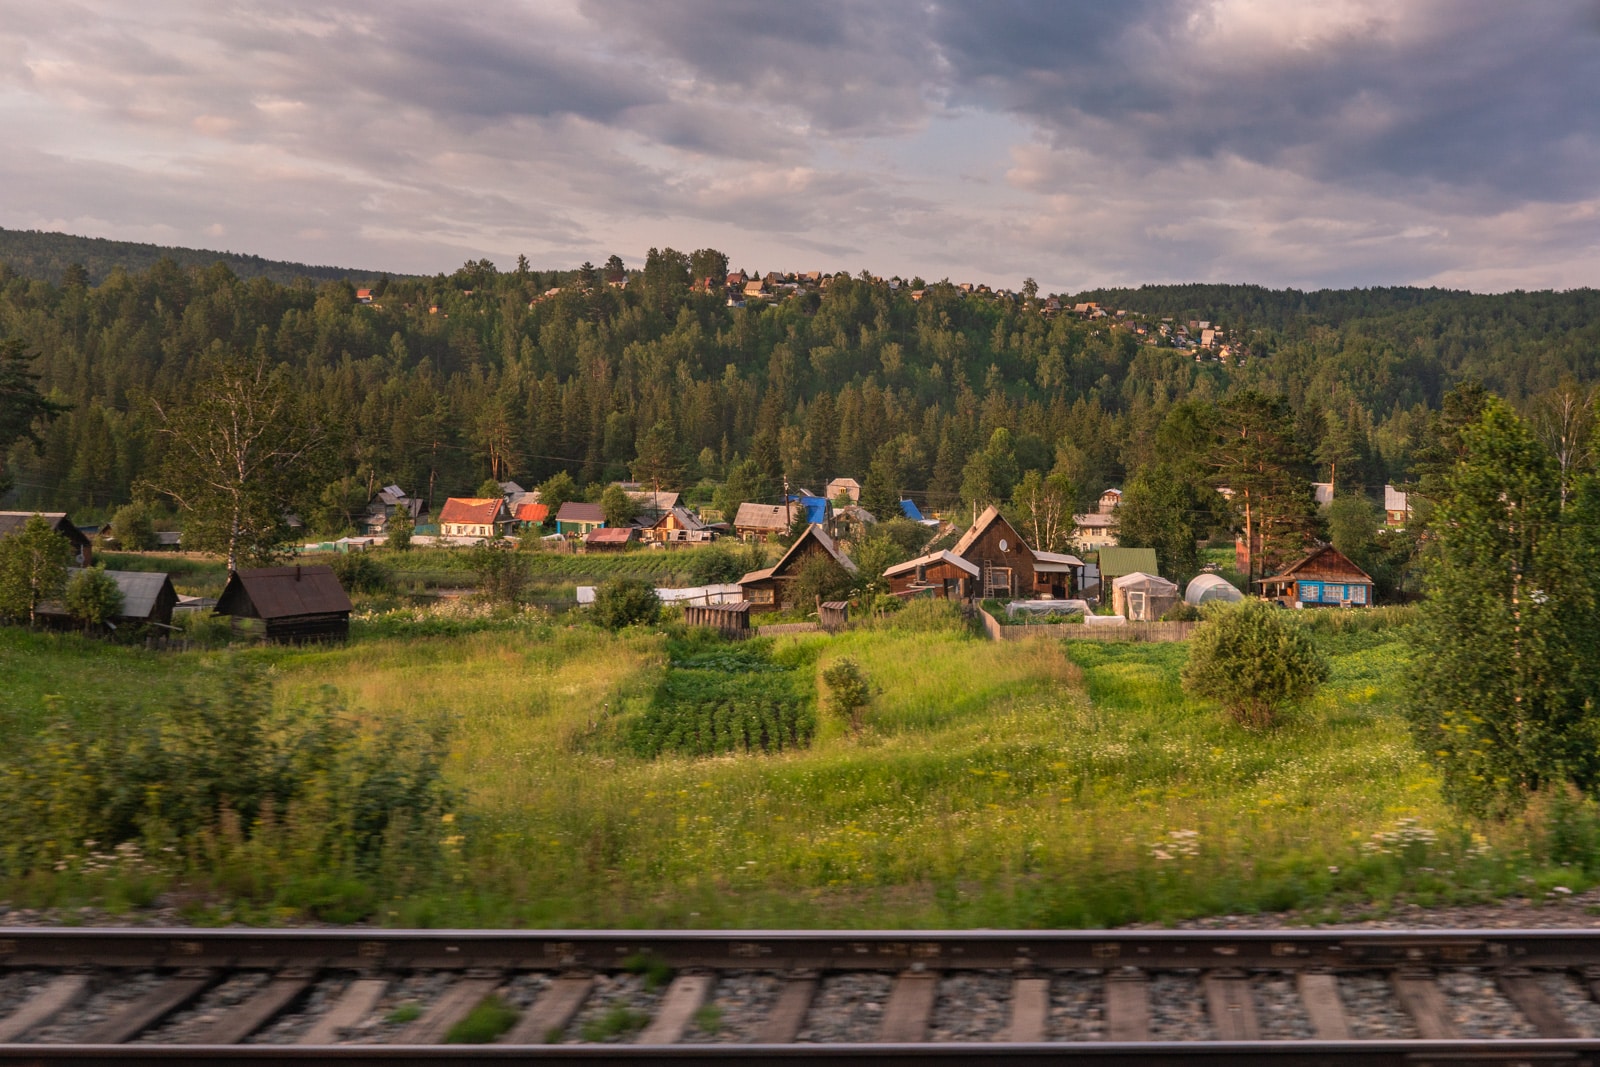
(140, 590)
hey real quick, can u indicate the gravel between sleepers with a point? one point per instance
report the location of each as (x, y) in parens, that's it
(1479, 1009)
(287, 1028)
(186, 1026)
(70, 1027)
(615, 998)
(1178, 1008)
(1279, 1009)
(971, 1006)
(848, 1008)
(1373, 1009)
(1078, 1006)
(740, 1003)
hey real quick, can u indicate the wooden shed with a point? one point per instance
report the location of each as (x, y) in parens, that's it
(730, 620)
(1326, 578)
(147, 597)
(288, 604)
(610, 538)
(771, 588)
(944, 575)
(1005, 563)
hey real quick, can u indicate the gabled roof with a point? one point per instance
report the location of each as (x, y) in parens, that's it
(577, 511)
(813, 533)
(816, 507)
(479, 511)
(932, 558)
(532, 512)
(686, 518)
(855, 513)
(13, 521)
(1115, 562)
(653, 501)
(511, 489)
(1325, 554)
(140, 591)
(283, 592)
(990, 516)
(1394, 499)
(1322, 492)
(762, 516)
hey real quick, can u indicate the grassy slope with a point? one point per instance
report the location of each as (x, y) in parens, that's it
(1018, 784)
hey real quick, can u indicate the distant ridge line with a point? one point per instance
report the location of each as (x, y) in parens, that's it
(44, 255)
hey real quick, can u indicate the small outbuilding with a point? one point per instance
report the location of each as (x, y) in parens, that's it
(610, 539)
(1208, 588)
(939, 574)
(294, 604)
(1141, 597)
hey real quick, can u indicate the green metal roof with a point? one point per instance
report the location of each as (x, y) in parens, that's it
(1115, 562)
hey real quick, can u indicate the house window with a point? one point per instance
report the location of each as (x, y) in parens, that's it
(759, 596)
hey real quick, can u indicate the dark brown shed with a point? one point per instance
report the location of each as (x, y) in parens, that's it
(292, 604)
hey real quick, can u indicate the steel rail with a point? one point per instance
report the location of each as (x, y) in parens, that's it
(1023, 953)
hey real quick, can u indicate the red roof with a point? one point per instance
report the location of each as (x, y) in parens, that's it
(532, 512)
(477, 511)
(619, 535)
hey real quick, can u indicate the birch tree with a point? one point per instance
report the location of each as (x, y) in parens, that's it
(238, 455)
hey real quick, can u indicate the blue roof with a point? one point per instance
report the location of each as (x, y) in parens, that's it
(911, 511)
(816, 508)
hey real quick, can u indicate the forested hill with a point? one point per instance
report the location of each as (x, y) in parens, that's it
(443, 381)
(46, 256)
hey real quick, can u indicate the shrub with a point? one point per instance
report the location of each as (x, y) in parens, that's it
(360, 573)
(92, 597)
(820, 579)
(133, 528)
(1255, 661)
(849, 692)
(624, 602)
(400, 529)
(503, 575)
(717, 564)
(1182, 612)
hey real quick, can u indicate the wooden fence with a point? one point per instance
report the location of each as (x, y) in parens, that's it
(1132, 631)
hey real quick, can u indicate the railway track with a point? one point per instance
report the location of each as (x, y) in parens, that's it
(71, 996)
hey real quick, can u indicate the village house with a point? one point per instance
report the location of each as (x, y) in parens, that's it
(287, 604)
(762, 521)
(1324, 578)
(843, 487)
(772, 589)
(576, 519)
(12, 522)
(147, 597)
(1098, 529)
(390, 501)
(484, 517)
(851, 521)
(1322, 493)
(530, 514)
(677, 525)
(1005, 563)
(651, 505)
(1396, 507)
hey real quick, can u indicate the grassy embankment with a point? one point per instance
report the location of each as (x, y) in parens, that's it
(1022, 784)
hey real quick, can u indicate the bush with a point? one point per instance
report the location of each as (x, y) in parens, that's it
(718, 564)
(625, 602)
(133, 528)
(1255, 661)
(92, 597)
(503, 575)
(1183, 612)
(849, 692)
(820, 580)
(400, 529)
(360, 573)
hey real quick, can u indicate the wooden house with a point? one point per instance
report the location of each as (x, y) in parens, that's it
(943, 575)
(530, 515)
(771, 589)
(843, 487)
(677, 526)
(390, 501)
(1057, 575)
(288, 604)
(762, 521)
(576, 519)
(1396, 506)
(474, 517)
(147, 597)
(1005, 563)
(12, 522)
(1324, 578)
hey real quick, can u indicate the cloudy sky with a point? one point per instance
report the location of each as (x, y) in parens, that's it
(1325, 142)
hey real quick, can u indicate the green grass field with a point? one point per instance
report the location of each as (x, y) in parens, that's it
(1036, 783)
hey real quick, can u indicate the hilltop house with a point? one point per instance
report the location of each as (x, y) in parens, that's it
(762, 521)
(1396, 506)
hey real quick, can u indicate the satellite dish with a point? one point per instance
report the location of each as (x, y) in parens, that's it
(1003, 545)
